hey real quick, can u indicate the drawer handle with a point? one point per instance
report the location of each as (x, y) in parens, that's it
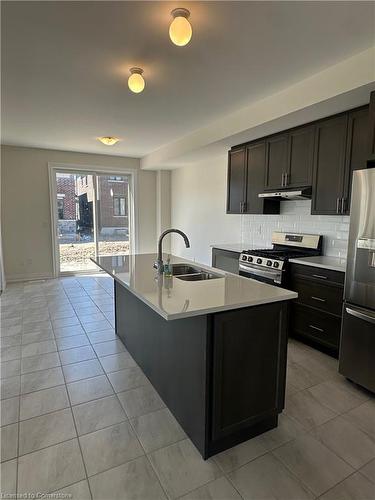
(320, 276)
(316, 328)
(318, 299)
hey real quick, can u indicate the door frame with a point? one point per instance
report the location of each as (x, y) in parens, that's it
(54, 167)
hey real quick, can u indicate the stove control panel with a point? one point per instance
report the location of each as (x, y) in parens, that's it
(254, 260)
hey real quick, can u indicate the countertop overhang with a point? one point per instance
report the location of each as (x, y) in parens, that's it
(173, 298)
(322, 261)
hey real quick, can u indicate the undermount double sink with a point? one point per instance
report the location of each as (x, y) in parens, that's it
(190, 273)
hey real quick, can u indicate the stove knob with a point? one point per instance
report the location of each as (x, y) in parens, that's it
(244, 257)
(250, 259)
(269, 262)
(259, 261)
(275, 264)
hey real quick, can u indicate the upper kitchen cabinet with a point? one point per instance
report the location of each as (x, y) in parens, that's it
(246, 181)
(357, 150)
(371, 133)
(289, 159)
(236, 181)
(255, 162)
(322, 154)
(301, 155)
(276, 161)
(329, 165)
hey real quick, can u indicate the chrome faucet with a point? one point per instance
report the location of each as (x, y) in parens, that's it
(158, 264)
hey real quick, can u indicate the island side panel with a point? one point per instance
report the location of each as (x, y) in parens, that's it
(249, 372)
(172, 354)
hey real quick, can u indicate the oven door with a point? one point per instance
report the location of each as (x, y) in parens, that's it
(270, 276)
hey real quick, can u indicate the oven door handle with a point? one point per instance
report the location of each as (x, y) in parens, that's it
(261, 272)
(360, 315)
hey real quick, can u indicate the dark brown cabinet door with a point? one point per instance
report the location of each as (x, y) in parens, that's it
(357, 150)
(371, 132)
(248, 388)
(255, 169)
(329, 165)
(236, 181)
(276, 161)
(301, 155)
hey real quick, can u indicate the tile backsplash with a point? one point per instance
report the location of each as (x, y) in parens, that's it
(256, 230)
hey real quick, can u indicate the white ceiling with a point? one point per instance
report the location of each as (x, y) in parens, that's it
(65, 66)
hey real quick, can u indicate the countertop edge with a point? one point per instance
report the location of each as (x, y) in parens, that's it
(305, 262)
(234, 247)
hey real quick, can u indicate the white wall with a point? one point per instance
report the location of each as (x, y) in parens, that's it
(26, 222)
(163, 206)
(198, 208)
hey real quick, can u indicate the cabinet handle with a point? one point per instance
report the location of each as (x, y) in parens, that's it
(286, 178)
(317, 328)
(282, 179)
(318, 299)
(343, 205)
(360, 315)
(244, 206)
(338, 200)
(241, 207)
(320, 276)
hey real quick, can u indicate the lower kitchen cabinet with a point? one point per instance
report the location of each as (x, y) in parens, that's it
(225, 260)
(316, 314)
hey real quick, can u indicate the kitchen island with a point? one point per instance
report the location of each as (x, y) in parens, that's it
(214, 348)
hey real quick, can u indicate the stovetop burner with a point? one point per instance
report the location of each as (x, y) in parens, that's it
(275, 260)
(276, 253)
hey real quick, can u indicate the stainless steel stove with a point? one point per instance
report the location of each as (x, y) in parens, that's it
(270, 265)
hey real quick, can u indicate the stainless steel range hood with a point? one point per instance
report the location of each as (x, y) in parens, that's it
(296, 194)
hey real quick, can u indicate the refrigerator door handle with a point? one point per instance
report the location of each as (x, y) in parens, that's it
(360, 315)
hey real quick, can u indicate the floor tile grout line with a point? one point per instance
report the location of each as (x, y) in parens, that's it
(77, 436)
(44, 414)
(294, 474)
(133, 429)
(340, 482)
(50, 445)
(226, 475)
(308, 430)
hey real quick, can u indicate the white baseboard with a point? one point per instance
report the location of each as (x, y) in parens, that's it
(14, 278)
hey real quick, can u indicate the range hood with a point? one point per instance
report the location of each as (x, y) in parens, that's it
(296, 194)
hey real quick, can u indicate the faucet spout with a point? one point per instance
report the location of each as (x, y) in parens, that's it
(158, 264)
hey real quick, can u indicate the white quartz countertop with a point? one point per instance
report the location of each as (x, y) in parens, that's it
(333, 263)
(174, 298)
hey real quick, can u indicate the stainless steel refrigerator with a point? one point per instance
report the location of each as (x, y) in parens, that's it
(357, 348)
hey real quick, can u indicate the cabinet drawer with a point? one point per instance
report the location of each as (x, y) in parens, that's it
(326, 297)
(318, 274)
(319, 326)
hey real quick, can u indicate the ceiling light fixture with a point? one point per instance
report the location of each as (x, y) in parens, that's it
(136, 82)
(180, 30)
(108, 141)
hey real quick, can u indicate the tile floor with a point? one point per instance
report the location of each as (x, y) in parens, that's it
(78, 417)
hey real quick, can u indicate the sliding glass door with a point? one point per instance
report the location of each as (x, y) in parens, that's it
(91, 218)
(112, 214)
